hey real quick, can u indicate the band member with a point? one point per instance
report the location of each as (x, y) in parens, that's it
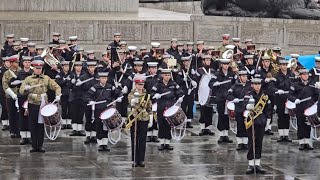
(249, 65)
(285, 79)
(36, 99)
(91, 57)
(85, 82)
(235, 94)
(188, 85)
(7, 49)
(299, 91)
(190, 51)
(75, 97)
(206, 111)
(173, 48)
(221, 84)
(199, 53)
(102, 91)
(153, 56)
(31, 50)
(55, 38)
(24, 45)
(4, 112)
(141, 105)
(151, 80)
(11, 95)
(225, 42)
(260, 109)
(266, 72)
(23, 115)
(104, 65)
(315, 72)
(164, 102)
(179, 53)
(63, 78)
(39, 50)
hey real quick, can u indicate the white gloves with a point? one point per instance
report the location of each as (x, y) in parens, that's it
(216, 84)
(57, 99)
(124, 90)
(150, 121)
(317, 85)
(267, 80)
(236, 100)
(79, 83)
(250, 107)
(193, 71)
(73, 81)
(134, 101)
(280, 91)
(185, 79)
(119, 99)
(27, 87)
(157, 96)
(91, 103)
(297, 101)
(11, 93)
(16, 82)
(194, 84)
(252, 72)
(180, 100)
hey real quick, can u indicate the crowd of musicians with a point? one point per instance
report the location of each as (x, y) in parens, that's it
(258, 82)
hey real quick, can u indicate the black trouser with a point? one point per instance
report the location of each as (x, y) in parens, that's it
(164, 127)
(65, 107)
(187, 105)
(303, 128)
(4, 113)
(51, 95)
(283, 119)
(23, 119)
(206, 115)
(36, 129)
(223, 119)
(122, 107)
(99, 125)
(77, 111)
(90, 126)
(13, 116)
(241, 129)
(259, 133)
(141, 135)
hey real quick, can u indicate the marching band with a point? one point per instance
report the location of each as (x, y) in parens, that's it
(154, 94)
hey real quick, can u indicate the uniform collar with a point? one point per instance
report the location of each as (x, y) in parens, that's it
(37, 76)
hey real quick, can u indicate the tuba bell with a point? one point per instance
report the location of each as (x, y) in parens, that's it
(293, 62)
(228, 54)
(49, 58)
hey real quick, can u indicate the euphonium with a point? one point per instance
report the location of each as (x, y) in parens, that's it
(49, 58)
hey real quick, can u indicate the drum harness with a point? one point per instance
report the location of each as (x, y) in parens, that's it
(141, 108)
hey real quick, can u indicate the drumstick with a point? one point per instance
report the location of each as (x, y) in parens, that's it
(99, 102)
(224, 82)
(37, 85)
(79, 83)
(114, 101)
(237, 102)
(305, 99)
(163, 94)
(284, 92)
(177, 101)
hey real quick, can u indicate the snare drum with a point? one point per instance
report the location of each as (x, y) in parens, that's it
(112, 119)
(312, 116)
(291, 109)
(231, 108)
(51, 115)
(175, 116)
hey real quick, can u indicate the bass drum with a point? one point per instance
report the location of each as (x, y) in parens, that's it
(205, 96)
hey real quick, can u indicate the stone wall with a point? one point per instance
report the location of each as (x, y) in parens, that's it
(192, 7)
(70, 5)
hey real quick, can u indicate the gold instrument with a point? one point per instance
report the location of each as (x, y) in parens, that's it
(159, 52)
(228, 54)
(49, 58)
(257, 110)
(293, 62)
(274, 62)
(215, 54)
(138, 109)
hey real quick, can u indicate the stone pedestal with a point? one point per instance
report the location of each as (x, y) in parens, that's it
(70, 5)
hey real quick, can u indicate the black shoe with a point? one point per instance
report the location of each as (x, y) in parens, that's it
(155, 139)
(141, 164)
(189, 125)
(227, 140)
(149, 139)
(161, 147)
(12, 135)
(74, 133)
(23, 141)
(33, 150)
(221, 139)
(203, 132)
(281, 139)
(87, 141)
(250, 170)
(245, 146)
(287, 139)
(63, 127)
(168, 147)
(101, 148)
(210, 133)
(69, 126)
(308, 147)
(41, 150)
(81, 133)
(5, 128)
(301, 147)
(93, 140)
(106, 148)
(239, 147)
(134, 164)
(269, 132)
(260, 170)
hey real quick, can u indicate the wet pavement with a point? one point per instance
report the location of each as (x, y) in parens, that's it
(195, 157)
